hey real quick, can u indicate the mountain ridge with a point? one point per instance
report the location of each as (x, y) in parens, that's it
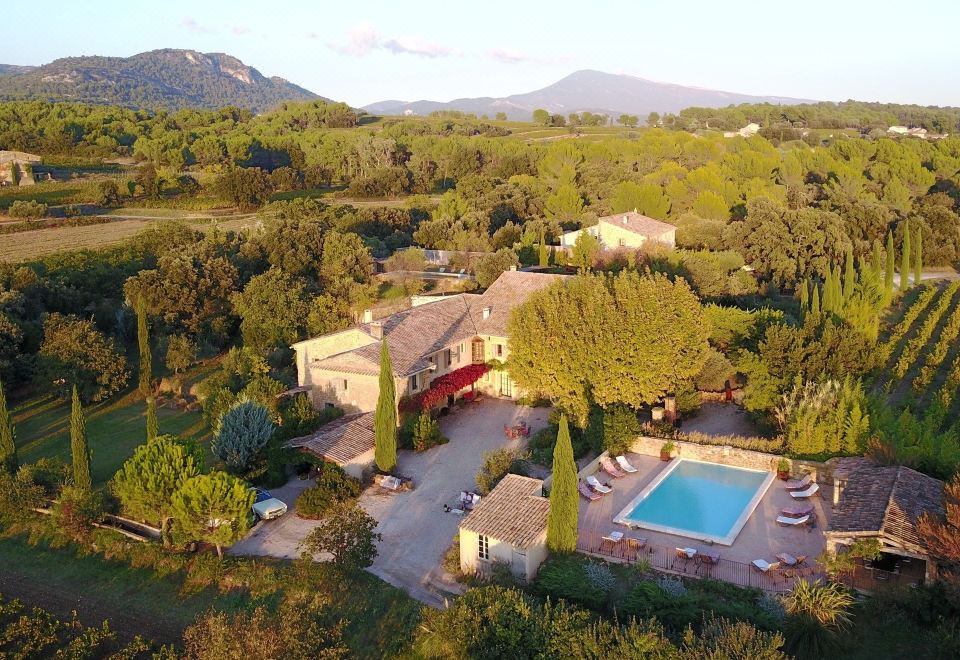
(588, 90)
(167, 78)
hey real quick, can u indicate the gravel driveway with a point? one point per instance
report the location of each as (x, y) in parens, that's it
(416, 530)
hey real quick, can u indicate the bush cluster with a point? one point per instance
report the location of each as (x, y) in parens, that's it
(333, 486)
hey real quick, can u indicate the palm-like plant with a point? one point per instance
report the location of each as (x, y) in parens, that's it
(816, 613)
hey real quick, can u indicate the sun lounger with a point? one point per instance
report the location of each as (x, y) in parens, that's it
(708, 556)
(764, 566)
(586, 493)
(611, 469)
(613, 537)
(797, 510)
(799, 484)
(789, 560)
(787, 521)
(595, 484)
(625, 464)
(636, 543)
(801, 494)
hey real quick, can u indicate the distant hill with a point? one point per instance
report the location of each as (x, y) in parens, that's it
(592, 91)
(168, 78)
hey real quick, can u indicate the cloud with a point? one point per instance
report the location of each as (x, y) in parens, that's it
(365, 39)
(192, 25)
(240, 30)
(512, 56)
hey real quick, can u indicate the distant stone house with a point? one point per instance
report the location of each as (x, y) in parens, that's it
(509, 526)
(749, 130)
(425, 342)
(16, 168)
(627, 230)
(883, 503)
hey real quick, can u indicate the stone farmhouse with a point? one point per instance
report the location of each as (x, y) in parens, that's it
(627, 230)
(16, 168)
(425, 342)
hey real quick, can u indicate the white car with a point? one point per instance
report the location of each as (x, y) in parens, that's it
(266, 506)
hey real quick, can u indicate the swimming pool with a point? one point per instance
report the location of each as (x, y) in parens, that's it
(705, 501)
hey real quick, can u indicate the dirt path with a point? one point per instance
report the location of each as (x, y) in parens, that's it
(92, 607)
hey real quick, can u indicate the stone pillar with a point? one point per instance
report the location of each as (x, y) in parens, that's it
(670, 408)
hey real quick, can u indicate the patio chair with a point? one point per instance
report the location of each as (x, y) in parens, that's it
(683, 555)
(786, 521)
(595, 484)
(799, 484)
(610, 468)
(707, 560)
(586, 493)
(625, 464)
(797, 510)
(808, 492)
(764, 566)
(636, 544)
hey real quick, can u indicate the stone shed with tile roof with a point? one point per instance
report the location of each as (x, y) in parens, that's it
(625, 230)
(425, 342)
(347, 441)
(510, 526)
(882, 502)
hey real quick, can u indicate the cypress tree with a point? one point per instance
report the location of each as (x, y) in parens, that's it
(143, 342)
(153, 424)
(837, 294)
(828, 291)
(385, 419)
(849, 277)
(543, 254)
(8, 437)
(815, 301)
(905, 258)
(877, 261)
(805, 296)
(564, 502)
(78, 445)
(918, 261)
(891, 264)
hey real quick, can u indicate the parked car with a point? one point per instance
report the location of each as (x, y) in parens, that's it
(266, 506)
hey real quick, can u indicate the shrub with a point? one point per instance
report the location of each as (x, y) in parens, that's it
(27, 209)
(77, 509)
(673, 587)
(333, 487)
(600, 576)
(497, 464)
(347, 535)
(426, 433)
(241, 433)
(620, 428)
(720, 638)
(565, 576)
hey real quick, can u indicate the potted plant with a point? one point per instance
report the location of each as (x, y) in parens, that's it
(666, 451)
(783, 469)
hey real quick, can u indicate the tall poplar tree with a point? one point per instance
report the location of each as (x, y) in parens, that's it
(905, 258)
(891, 265)
(8, 437)
(385, 419)
(918, 261)
(79, 448)
(564, 502)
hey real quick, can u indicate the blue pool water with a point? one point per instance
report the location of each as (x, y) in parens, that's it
(704, 500)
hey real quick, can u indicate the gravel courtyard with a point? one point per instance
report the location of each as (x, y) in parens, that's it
(416, 530)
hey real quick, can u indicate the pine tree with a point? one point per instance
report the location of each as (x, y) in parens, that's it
(815, 300)
(385, 419)
(153, 424)
(891, 264)
(143, 343)
(849, 277)
(905, 258)
(918, 261)
(8, 437)
(78, 445)
(564, 502)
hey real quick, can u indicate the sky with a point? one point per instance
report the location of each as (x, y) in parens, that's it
(411, 50)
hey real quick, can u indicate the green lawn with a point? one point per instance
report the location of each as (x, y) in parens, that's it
(114, 429)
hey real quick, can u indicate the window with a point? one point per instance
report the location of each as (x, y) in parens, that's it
(483, 549)
(414, 382)
(345, 385)
(447, 358)
(328, 404)
(499, 350)
(622, 243)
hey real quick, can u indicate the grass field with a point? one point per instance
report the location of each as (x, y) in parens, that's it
(114, 430)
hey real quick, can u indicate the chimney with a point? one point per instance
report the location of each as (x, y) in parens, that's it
(368, 316)
(635, 209)
(486, 312)
(625, 218)
(376, 329)
(513, 269)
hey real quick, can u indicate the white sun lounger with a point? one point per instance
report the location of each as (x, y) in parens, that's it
(791, 522)
(597, 486)
(807, 492)
(613, 537)
(764, 566)
(625, 464)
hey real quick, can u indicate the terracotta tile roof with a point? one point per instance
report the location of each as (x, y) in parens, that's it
(514, 512)
(414, 334)
(638, 223)
(340, 441)
(885, 500)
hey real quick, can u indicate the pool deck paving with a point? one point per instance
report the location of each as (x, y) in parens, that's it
(760, 538)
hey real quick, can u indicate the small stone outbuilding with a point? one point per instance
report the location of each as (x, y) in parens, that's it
(510, 526)
(348, 441)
